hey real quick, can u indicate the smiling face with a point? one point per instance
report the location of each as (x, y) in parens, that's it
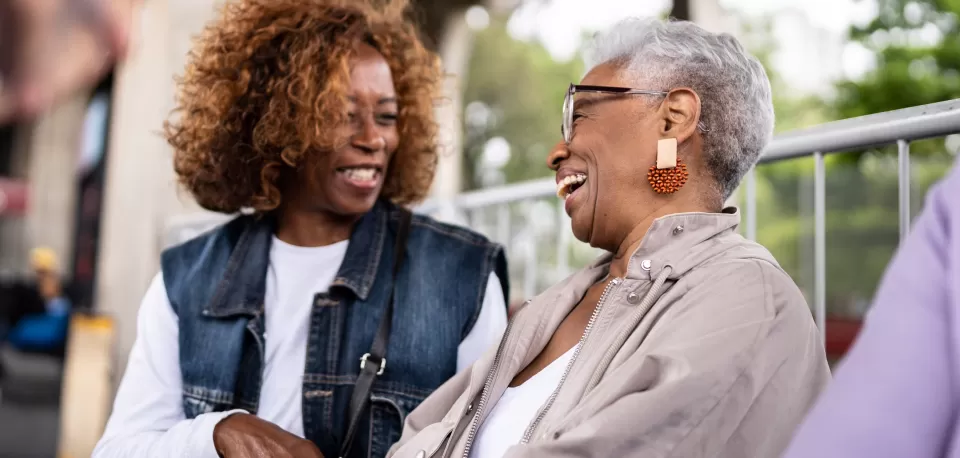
(602, 172)
(347, 182)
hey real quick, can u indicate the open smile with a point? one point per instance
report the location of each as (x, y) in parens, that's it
(361, 176)
(570, 184)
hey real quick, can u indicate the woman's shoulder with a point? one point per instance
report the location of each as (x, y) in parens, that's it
(191, 235)
(215, 243)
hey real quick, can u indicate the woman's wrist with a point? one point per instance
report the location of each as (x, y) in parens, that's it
(223, 430)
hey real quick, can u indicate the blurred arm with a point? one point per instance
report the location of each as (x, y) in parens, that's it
(148, 417)
(53, 48)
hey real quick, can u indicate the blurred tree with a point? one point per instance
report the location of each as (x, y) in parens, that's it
(681, 10)
(514, 91)
(434, 17)
(918, 58)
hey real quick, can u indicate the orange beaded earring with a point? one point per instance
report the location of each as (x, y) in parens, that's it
(670, 173)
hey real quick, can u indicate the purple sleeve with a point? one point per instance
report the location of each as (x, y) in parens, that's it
(893, 395)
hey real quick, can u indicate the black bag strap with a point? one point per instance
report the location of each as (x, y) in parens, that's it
(373, 363)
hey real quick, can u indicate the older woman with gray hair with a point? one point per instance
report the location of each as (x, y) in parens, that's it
(685, 339)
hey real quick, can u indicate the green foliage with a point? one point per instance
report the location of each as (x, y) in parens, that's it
(523, 87)
(911, 68)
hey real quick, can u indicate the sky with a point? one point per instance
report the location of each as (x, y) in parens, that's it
(559, 25)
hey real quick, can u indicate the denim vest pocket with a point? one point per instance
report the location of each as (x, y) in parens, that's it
(198, 401)
(388, 411)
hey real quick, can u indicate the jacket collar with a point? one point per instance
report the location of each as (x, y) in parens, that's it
(677, 240)
(242, 288)
(360, 264)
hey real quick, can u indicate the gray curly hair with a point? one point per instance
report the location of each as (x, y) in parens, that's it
(737, 106)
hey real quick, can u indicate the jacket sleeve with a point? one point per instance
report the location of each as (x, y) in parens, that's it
(727, 371)
(893, 395)
(431, 412)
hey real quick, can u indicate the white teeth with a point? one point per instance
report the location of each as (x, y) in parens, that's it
(564, 185)
(360, 174)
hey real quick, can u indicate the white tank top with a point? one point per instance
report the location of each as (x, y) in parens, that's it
(516, 409)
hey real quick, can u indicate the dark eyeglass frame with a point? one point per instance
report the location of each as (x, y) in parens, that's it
(566, 128)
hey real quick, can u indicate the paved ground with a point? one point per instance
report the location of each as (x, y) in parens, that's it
(29, 405)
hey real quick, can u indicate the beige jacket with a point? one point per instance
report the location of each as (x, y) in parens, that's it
(705, 349)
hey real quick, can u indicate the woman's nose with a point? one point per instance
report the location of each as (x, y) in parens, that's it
(557, 155)
(368, 138)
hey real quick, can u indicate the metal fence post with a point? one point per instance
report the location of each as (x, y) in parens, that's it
(530, 266)
(503, 224)
(820, 248)
(903, 186)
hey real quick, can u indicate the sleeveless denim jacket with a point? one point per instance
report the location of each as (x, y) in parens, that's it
(216, 285)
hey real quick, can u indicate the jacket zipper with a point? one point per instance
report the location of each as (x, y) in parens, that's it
(553, 396)
(485, 394)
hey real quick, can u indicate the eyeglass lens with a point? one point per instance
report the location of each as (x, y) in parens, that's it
(567, 115)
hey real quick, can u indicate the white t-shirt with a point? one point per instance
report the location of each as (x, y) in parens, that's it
(148, 417)
(516, 409)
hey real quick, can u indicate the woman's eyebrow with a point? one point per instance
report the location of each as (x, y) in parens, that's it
(586, 102)
(381, 101)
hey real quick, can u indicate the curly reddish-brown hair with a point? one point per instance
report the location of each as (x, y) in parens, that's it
(266, 86)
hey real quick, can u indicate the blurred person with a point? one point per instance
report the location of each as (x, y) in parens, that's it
(896, 393)
(49, 49)
(42, 293)
(48, 283)
(260, 337)
(685, 339)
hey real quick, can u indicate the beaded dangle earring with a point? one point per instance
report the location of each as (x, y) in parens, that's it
(670, 173)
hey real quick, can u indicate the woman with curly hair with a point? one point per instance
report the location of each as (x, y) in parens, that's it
(325, 312)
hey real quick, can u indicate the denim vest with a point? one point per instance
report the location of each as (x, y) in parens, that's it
(216, 285)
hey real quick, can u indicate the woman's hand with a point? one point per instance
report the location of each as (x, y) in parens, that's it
(246, 436)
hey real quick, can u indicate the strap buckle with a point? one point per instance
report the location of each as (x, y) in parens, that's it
(363, 362)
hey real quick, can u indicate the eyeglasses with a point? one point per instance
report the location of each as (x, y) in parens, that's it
(567, 127)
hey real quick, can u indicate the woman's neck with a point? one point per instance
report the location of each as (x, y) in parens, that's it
(629, 245)
(313, 228)
(635, 234)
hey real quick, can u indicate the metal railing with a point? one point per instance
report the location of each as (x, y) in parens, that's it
(900, 127)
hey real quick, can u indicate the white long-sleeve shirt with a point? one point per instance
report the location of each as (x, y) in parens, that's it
(148, 418)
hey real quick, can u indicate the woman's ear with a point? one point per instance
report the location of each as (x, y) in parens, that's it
(681, 113)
